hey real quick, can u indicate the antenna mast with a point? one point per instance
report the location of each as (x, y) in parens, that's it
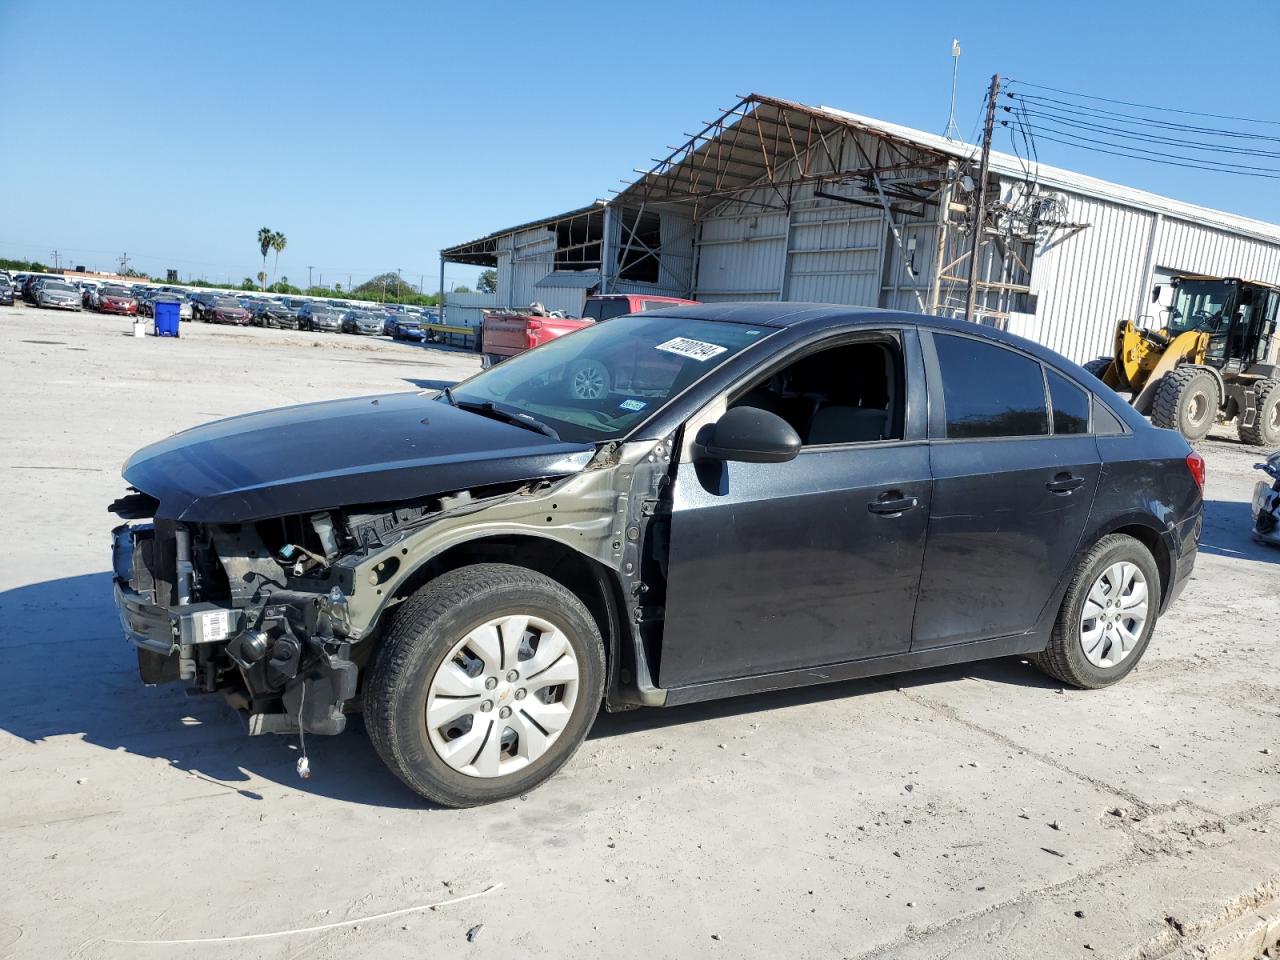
(953, 132)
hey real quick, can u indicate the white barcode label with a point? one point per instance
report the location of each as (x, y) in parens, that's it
(693, 349)
(215, 625)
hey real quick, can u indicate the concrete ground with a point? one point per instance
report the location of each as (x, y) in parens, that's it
(975, 811)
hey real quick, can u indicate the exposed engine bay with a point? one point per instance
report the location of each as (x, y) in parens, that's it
(272, 613)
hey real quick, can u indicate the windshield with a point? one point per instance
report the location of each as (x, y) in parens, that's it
(1198, 305)
(114, 292)
(226, 303)
(57, 285)
(597, 383)
(606, 309)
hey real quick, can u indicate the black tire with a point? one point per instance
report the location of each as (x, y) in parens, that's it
(1265, 431)
(1099, 366)
(1064, 659)
(588, 380)
(1187, 400)
(425, 629)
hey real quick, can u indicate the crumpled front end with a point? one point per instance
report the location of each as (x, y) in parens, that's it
(223, 610)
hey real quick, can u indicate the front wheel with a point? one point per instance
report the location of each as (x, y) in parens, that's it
(487, 682)
(588, 380)
(1107, 615)
(1186, 400)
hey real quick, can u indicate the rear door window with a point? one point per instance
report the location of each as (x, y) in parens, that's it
(989, 391)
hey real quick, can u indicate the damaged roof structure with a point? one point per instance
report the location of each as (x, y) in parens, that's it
(776, 200)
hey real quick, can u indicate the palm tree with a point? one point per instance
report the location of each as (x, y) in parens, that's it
(278, 243)
(264, 244)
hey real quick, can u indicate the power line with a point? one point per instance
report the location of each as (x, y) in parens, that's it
(1146, 106)
(1139, 137)
(1156, 153)
(1145, 137)
(1081, 110)
(1089, 145)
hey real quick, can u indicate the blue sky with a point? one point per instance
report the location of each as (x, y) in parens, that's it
(372, 134)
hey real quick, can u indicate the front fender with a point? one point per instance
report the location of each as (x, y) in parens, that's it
(586, 512)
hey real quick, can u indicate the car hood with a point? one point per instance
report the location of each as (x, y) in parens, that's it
(338, 453)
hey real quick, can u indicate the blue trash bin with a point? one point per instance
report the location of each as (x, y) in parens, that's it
(166, 318)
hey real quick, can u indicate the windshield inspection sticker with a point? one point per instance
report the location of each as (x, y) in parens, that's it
(693, 349)
(633, 405)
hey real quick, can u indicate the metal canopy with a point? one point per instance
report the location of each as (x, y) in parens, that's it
(779, 145)
(483, 252)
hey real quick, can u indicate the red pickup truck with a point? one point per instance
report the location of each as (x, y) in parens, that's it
(506, 333)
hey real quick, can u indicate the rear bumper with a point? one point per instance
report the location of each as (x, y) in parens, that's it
(1184, 549)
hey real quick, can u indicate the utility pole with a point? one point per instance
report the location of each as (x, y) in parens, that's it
(309, 269)
(124, 263)
(980, 204)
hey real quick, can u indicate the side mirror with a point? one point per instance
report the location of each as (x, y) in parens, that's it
(1155, 293)
(749, 435)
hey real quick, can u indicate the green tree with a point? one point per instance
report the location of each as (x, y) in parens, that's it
(488, 282)
(278, 243)
(461, 288)
(264, 244)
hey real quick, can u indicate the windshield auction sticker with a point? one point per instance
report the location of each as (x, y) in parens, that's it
(693, 349)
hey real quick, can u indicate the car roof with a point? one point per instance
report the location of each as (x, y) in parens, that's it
(815, 316)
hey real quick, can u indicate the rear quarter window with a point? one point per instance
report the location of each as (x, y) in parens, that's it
(1070, 405)
(989, 391)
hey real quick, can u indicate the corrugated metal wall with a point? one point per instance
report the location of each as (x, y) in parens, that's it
(1184, 246)
(826, 250)
(741, 258)
(464, 309)
(1089, 279)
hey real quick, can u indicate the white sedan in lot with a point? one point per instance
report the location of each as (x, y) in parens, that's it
(58, 295)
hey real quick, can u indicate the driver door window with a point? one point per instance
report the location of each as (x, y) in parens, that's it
(851, 393)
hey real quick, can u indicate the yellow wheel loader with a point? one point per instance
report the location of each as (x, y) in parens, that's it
(1216, 358)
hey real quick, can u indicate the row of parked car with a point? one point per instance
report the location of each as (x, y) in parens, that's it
(213, 306)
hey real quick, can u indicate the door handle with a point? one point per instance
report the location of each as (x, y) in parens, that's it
(1064, 483)
(892, 504)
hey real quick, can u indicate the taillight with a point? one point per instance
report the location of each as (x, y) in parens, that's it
(531, 330)
(1195, 464)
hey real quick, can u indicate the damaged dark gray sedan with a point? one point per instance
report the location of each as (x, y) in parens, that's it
(755, 497)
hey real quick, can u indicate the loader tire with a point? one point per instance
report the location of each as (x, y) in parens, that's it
(1098, 367)
(1186, 400)
(1265, 431)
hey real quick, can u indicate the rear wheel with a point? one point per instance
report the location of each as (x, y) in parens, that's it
(1265, 431)
(1107, 615)
(1186, 400)
(486, 684)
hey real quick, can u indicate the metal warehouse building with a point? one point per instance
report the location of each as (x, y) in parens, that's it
(775, 200)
